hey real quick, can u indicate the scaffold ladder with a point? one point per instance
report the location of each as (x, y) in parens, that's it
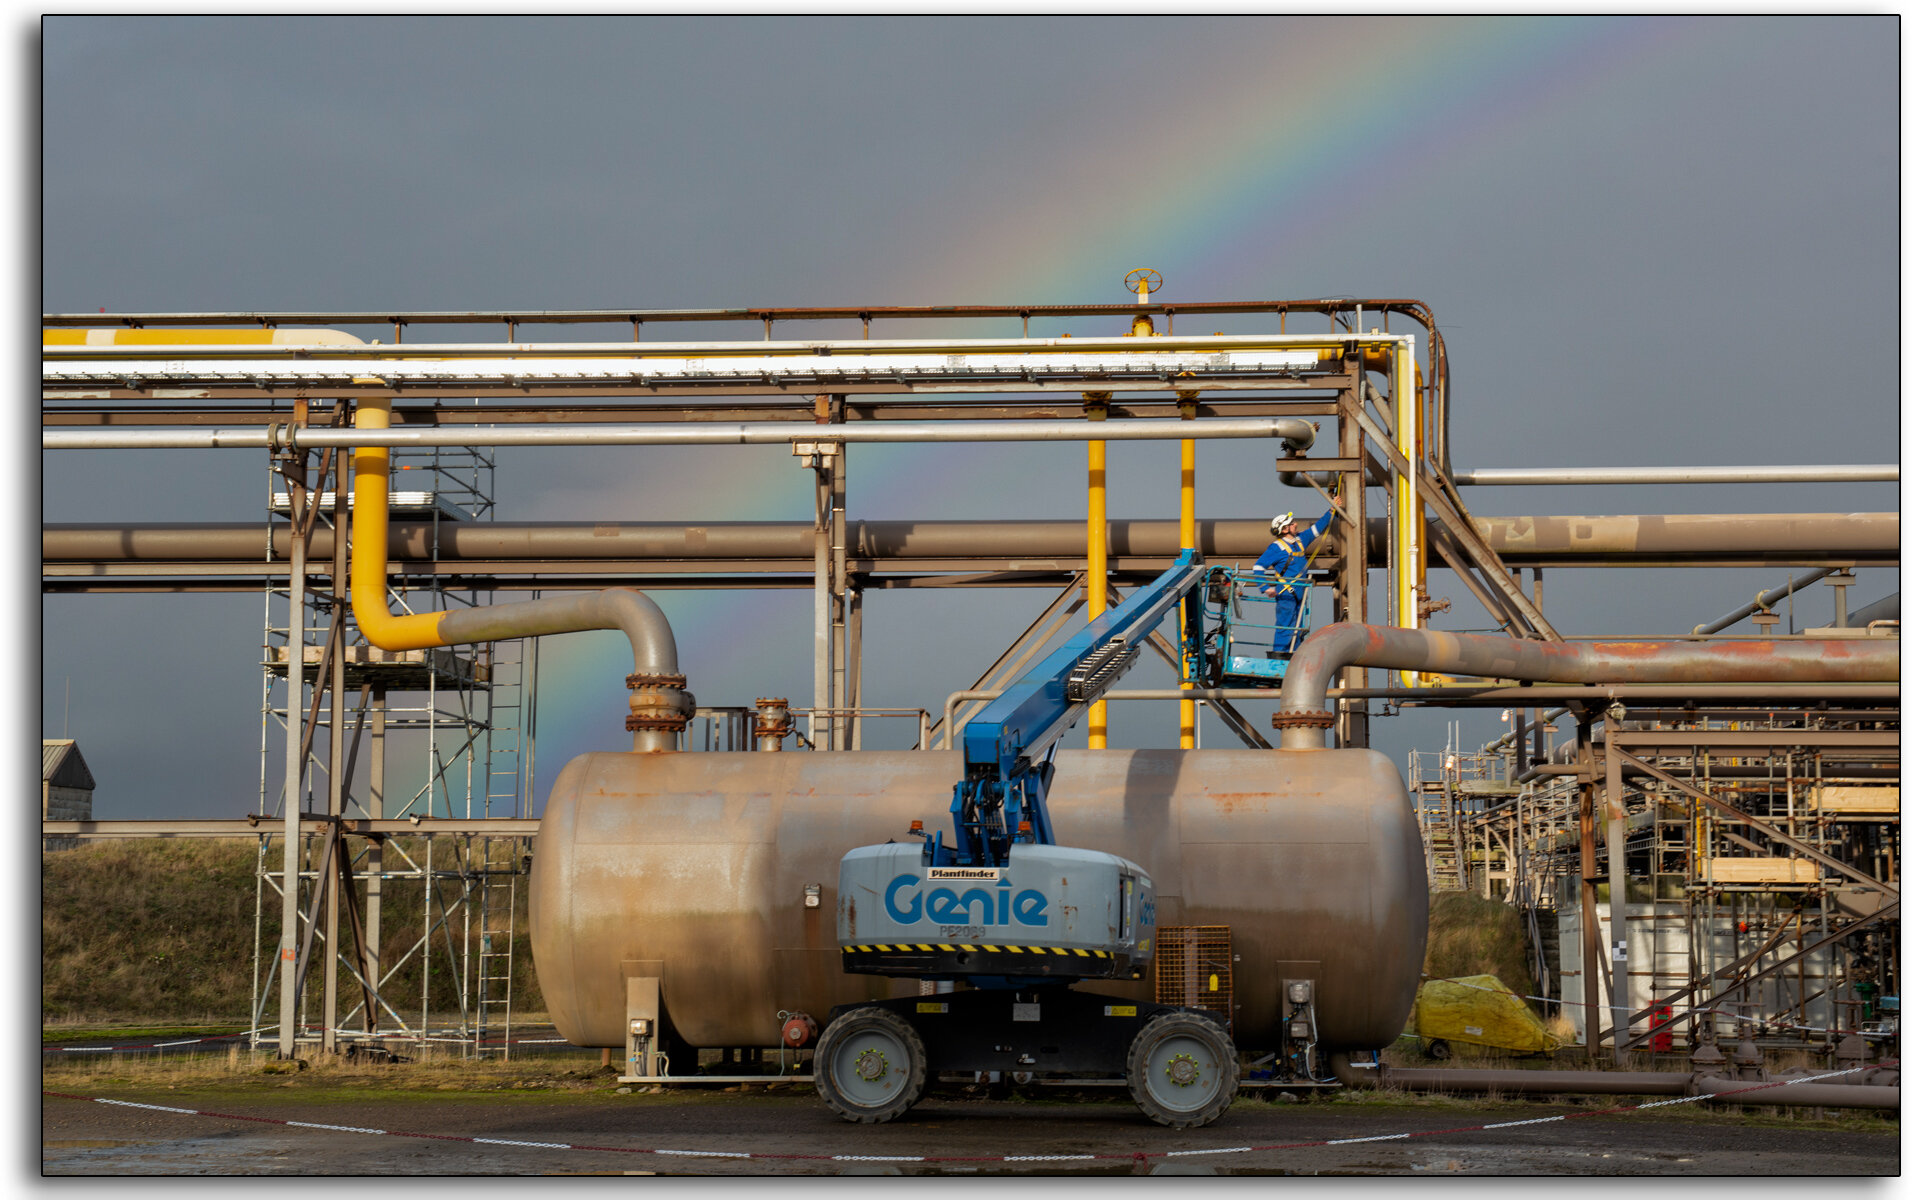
(493, 978)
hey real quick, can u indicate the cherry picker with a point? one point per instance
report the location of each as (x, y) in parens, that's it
(1020, 919)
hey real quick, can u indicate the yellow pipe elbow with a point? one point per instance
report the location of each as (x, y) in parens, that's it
(368, 575)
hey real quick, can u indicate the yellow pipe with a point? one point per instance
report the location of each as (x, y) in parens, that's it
(414, 631)
(1189, 539)
(1409, 519)
(197, 337)
(1096, 571)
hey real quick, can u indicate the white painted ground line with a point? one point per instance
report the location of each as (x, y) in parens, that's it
(1006, 1158)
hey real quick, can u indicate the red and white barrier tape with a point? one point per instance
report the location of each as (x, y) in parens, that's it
(1136, 1155)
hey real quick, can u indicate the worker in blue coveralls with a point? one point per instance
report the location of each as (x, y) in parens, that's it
(1286, 558)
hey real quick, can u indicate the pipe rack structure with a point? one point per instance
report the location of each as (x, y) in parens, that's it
(1366, 391)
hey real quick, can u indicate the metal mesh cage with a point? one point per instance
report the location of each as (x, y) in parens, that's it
(1193, 967)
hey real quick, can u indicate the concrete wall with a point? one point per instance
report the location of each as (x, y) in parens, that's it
(64, 804)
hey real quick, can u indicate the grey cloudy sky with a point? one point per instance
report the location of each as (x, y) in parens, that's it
(1648, 241)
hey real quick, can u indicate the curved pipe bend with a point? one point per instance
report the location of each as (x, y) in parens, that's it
(660, 704)
(1303, 694)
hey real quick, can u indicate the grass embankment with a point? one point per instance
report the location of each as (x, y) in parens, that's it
(157, 931)
(1467, 935)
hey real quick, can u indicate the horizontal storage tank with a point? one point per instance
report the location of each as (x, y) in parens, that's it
(696, 868)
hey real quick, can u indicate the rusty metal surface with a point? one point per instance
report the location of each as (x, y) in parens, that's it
(1328, 649)
(694, 867)
(1414, 308)
(1519, 539)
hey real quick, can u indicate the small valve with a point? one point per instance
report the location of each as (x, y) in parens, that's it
(798, 1031)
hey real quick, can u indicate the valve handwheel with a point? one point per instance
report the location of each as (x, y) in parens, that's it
(1146, 279)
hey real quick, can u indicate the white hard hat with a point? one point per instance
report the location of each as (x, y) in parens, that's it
(1281, 522)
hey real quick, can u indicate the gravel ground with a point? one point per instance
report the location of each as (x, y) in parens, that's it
(81, 1137)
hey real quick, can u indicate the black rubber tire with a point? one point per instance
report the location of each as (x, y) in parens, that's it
(1157, 1053)
(870, 1066)
(1438, 1050)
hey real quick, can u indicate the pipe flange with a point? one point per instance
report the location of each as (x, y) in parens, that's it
(668, 724)
(775, 719)
(638, 681)
(1303, 718)
(658, 702)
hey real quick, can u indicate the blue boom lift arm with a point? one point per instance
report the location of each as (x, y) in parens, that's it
(1008, 747)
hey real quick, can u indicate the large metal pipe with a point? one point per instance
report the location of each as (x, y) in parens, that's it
(1618, 1083)
(659, 703)
(1601, 1083)
(1807, 1095)
(1293, 430)
(1801, 473)
(1303, 717)
(1556, 539)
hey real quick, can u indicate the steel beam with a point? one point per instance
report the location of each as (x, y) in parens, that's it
(1761, 739)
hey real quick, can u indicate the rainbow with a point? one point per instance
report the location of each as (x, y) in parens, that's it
(1320, 130)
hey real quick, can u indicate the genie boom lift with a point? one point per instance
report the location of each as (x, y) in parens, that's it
(1005, 910)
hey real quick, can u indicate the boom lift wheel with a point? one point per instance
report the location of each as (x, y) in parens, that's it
(870, 1066)
(1183, 1070)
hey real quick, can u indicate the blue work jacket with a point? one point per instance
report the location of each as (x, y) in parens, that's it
(1287, 557)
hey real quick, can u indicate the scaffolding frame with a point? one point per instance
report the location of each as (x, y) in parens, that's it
(472, 712)
(1731, 930)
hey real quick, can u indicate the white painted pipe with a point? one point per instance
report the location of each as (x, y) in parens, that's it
(1807, 473)
(1293, 430)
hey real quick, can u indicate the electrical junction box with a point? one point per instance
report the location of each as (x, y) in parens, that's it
(1052, 912)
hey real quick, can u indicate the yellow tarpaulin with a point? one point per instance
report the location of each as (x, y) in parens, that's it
(1481, 1011)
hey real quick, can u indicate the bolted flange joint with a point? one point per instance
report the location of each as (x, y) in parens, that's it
(775, 719)
(1303, 718)
(658, 702)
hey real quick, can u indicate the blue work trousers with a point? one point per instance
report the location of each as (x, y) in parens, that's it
(1286, 614)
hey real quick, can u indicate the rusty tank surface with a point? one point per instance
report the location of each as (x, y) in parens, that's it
(716, 874)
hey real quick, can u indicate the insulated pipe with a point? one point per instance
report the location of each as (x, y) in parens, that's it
(1542, 476)
(1803, 473)
(1560, 540)
(659, 703)
(1303, 716)
(197, 338)
(1294, 431)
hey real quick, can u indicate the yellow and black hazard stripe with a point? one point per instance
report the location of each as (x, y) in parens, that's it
(982, 958)
(925, 947)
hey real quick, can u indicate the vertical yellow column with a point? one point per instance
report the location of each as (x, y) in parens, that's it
(1409, 518)
(1097, 551)
(1189, 539)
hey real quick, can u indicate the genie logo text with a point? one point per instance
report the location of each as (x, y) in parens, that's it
(977, 906)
